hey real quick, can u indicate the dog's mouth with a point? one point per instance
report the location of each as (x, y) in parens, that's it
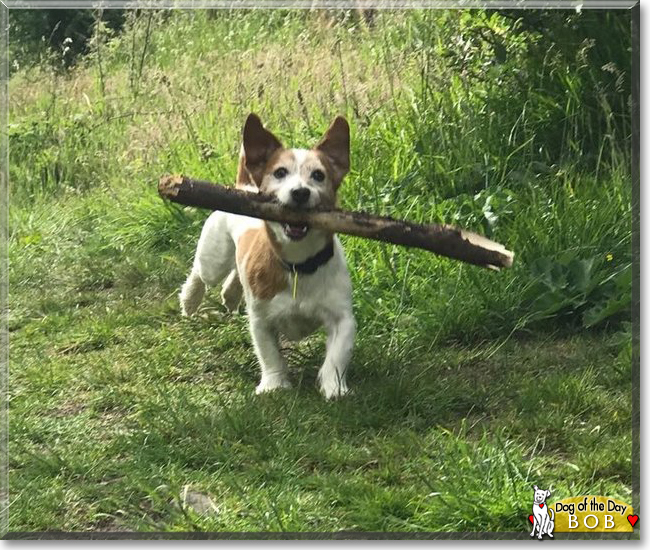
(295, 231)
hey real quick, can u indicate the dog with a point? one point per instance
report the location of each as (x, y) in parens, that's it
(543, 516)
(293, 277)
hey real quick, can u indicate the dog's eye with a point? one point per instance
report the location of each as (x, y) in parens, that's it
(280, 173)
(318, 175)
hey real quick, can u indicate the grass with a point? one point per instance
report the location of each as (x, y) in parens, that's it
(121, 408)
(471, 386)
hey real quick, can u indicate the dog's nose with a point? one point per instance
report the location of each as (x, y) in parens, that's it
(300, 195)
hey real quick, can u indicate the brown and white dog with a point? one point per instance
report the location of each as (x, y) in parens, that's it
(294, 278)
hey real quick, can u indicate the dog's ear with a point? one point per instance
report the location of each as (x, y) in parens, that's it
(259, 145)
(335, 146)
(548, 494)
(534, 487)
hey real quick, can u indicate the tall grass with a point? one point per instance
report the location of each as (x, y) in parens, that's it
(447, 127)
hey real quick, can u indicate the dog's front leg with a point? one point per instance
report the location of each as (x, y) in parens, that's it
(340, 341)
(274, 367)
(535, 524)
(542, 527)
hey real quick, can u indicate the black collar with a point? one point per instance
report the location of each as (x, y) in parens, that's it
(310, 265)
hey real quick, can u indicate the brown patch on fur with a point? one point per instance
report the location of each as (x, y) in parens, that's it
(264, 272)
(259, 146)
(335, 147)
(281, 157)
(329, 198)
(243, 177)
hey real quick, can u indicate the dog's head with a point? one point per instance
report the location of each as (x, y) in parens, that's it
(540, 494)
(300, 178)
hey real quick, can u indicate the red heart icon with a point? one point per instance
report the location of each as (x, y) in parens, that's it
(541, 505)
(633, 519)
(530, 518)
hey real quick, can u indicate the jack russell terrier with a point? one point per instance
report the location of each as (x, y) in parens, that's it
(293, 277)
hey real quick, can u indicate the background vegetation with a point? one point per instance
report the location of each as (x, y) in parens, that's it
(470, 385)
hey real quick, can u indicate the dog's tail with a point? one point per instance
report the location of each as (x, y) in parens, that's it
(552, 512)
(192, 293)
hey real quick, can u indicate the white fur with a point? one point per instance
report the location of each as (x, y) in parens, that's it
(299, 176)
(324, 298)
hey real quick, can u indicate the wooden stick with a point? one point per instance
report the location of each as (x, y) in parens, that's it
(445, 240)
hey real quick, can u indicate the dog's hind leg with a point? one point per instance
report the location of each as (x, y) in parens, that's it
(214, 259)
(231, 292)
(191, 294)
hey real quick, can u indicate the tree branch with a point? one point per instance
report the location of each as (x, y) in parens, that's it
(441, 239)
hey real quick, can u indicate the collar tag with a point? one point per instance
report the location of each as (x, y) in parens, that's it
(294, 291)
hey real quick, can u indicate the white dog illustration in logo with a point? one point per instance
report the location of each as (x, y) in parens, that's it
(543, 521)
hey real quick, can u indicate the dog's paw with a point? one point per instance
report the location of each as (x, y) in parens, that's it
(186, 312)
(272, 383)
(231, 300)
(333, 389)
(189, 303)
(191, 295)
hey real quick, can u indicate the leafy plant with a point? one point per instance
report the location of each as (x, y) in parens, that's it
(571, 285)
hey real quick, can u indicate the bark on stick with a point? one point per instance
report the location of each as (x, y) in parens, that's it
(445, 240)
